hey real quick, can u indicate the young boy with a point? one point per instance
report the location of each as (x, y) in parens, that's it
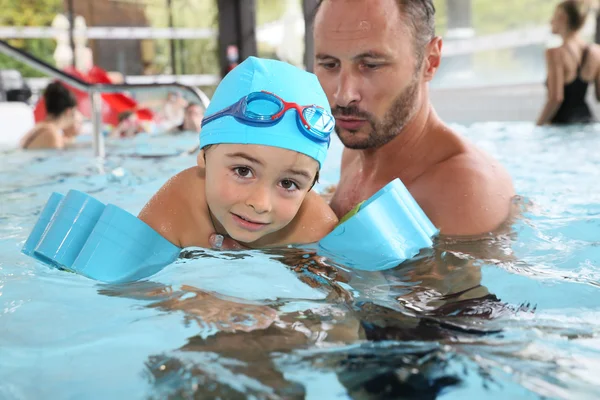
(62, 122)
(263, 142)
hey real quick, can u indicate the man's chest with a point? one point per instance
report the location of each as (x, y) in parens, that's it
(353, 188)
(356, 186)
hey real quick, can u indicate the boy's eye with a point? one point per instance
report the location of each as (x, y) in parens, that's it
(288, 185)
(243, 171)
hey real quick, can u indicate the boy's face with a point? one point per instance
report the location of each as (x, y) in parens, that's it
(255, 190)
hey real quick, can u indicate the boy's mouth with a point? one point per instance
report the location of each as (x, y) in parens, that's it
(248, 223)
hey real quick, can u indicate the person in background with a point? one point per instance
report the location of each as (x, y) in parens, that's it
(62, 122)
(129, 126)
(192, 119)
(571, 68)
(74, 130)
(173, 110)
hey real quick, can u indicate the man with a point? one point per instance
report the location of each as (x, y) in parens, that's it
(374, 59)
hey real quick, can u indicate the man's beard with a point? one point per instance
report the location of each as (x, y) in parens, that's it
(382, 131)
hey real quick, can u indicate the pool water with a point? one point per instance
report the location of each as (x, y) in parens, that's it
(511, 315)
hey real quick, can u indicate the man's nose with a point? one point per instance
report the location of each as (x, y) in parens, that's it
(347, 91)
(260, 199)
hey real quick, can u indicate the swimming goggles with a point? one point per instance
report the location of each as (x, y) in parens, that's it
(266, 109)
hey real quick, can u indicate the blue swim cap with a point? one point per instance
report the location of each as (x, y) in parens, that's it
(282, 79)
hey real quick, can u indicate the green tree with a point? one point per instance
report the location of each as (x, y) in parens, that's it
(494, 16)
(491, 16)
(199, 56)
(29, 13)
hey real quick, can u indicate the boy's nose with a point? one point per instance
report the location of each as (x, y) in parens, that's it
(260, 200)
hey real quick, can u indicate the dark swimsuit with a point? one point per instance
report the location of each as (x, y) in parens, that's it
(574, 109)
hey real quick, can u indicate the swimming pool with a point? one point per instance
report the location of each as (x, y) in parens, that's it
(514, 315)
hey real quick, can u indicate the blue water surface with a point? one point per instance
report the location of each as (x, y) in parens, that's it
(511, 315)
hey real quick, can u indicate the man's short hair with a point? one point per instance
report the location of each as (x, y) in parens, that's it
(420, 15)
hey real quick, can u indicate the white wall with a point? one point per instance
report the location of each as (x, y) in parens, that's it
(15, 120)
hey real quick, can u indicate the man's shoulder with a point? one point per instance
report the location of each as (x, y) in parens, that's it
(466, 194)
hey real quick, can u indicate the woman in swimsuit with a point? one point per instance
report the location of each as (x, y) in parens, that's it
(571, 68)
(62, 123)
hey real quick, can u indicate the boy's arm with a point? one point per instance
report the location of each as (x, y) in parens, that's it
(160, 214)
(169, 212)
(314, 221)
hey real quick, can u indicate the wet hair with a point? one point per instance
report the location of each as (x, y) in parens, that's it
(58, 99)
(576, 11)
(420, 16)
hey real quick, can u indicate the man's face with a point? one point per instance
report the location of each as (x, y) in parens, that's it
(366, 63)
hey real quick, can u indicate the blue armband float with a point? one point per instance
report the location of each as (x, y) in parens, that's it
(382, 232)
(80, 234)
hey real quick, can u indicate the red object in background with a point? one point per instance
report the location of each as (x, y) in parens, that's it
(118, 101)
(112, 105)
(233, 57)
(231, 66)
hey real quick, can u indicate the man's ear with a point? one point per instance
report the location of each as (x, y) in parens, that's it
(432, 58)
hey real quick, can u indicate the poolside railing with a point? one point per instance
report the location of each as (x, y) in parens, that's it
(95, 89)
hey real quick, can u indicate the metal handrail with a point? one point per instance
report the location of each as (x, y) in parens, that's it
(94, 89)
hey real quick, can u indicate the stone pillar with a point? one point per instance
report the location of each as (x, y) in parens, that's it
(172, 50)
(71, 15)
(309, 8)
(237, 27)
(597, 35)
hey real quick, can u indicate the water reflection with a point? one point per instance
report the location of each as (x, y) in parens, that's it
(381, 334)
